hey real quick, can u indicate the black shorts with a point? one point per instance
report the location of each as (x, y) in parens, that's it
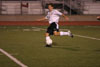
(52, 28)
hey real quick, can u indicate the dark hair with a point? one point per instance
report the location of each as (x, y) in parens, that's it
(51, 4)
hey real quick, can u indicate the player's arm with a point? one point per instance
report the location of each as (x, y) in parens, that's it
(61, 14)
(66, 18)
(41, 19)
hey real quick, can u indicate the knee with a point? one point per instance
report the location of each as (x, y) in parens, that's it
(46, 34)
(56, 33)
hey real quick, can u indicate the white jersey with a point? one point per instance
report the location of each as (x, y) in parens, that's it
(53, 16)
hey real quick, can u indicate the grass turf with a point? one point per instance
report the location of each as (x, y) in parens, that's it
(28, 47)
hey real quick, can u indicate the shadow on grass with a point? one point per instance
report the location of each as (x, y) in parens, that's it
(54, 43)
(66, 48)
(97, 50)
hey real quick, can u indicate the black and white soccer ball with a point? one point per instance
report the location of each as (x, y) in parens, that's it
(49, 42)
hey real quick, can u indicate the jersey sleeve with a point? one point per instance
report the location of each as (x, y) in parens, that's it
(58, 12)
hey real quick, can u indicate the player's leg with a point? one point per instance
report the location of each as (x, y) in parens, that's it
(47, 38)
(48, 33)
(61, 33)
(68, 33)
(56, 33)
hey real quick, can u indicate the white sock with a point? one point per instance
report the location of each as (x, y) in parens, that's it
(64, 33)
(47, 37)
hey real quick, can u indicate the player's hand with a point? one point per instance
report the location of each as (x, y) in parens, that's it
(98, 16)
(38, 20)
(67, 19)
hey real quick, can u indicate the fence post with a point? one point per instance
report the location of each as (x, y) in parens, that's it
(0, 7)
(63, 6)
(70, 7)
(21, 6)
(43, 6)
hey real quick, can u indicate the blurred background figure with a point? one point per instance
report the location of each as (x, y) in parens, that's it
(98, 18)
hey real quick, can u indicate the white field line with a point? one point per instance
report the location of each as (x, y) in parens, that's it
(94, 26)
(10, 54)
(93, 38)
(13, 58)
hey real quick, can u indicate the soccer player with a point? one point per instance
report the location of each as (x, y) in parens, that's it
(53, 18)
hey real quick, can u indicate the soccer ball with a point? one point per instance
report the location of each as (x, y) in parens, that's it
(49, 42)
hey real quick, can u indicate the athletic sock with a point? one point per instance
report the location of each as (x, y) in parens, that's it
(47, 37)
(64, 33)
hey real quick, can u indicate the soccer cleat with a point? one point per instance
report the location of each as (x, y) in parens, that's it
(70, 34)
(48, 45)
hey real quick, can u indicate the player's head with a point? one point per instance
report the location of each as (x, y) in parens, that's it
(50, 7)
(98, 18)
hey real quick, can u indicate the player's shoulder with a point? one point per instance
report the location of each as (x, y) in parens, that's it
(55, 10)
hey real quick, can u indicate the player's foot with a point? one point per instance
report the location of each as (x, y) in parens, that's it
(48, 45)
(70, 34)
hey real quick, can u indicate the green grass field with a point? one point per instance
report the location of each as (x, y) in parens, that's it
(26, 43)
